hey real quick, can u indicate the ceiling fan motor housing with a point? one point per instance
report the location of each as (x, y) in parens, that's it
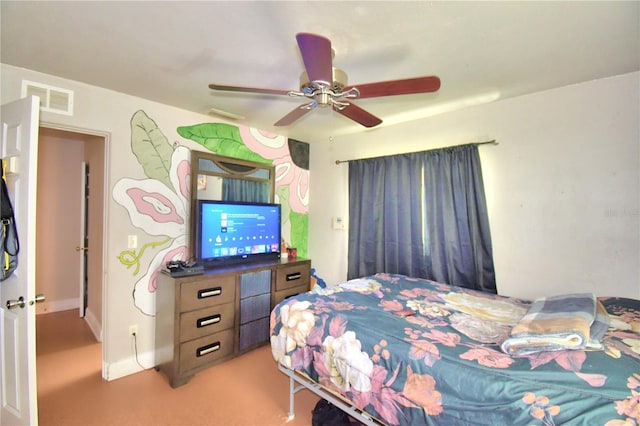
(324, 90)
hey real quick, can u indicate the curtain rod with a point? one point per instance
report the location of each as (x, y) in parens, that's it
(492, 142)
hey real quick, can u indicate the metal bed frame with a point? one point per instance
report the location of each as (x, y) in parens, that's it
(307, 383)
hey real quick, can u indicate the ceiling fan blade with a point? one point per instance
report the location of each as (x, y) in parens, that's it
(359, 115)
(316, 54)
(293, 116)
(398, 87)
(244, 89)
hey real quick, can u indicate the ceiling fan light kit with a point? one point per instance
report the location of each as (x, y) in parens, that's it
(324, 85)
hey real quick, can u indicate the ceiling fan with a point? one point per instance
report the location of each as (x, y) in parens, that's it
(324, 85)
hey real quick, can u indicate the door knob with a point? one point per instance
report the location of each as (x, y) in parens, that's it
(15, 303)
(20, 303)
(78, 248)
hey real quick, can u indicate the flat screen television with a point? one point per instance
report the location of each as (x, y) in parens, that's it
(236, 232)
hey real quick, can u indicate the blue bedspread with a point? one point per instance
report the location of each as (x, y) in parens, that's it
(444, 365)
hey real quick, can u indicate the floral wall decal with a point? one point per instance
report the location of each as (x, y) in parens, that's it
(158, 205)
(292, 181)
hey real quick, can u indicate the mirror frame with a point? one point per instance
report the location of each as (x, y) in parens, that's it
(227, 164)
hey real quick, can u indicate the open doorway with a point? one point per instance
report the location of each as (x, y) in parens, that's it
(70, 233)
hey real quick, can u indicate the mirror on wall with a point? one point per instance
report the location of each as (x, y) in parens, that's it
(216, 177)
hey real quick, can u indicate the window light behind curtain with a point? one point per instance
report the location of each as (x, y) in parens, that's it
(423, 215)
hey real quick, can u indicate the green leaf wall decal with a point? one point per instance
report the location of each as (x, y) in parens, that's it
(299, 232)
(151, 148)
(221, 138)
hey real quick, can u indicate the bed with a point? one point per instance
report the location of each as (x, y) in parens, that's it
(390, 349)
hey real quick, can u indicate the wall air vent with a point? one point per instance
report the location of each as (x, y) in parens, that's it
(52, 99)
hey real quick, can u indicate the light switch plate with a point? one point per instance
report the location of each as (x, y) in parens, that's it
(132, 241)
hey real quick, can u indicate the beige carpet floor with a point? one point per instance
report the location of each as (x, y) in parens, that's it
(248, 390)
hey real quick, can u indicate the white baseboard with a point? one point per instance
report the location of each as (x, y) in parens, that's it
(94, 324)
(125, 367)
(110, 371)
(57, 305)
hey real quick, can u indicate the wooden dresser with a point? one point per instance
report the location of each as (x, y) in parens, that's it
(205, 319)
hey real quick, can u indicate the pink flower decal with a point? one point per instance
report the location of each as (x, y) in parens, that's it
(154, 205)
(159, 211)
(267, 145)
(276, 148)
(288, 174)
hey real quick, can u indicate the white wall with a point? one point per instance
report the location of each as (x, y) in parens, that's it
(562, 186)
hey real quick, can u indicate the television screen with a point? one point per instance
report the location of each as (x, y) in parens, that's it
(230, 232)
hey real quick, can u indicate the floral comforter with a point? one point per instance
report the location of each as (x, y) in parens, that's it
(443, 363)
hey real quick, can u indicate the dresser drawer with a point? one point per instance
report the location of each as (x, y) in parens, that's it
(293, 276)
(253, 334)
(205, 350)
(279, 296)
(253, 308)
(255, 283)
(199, 323)
(207, 292)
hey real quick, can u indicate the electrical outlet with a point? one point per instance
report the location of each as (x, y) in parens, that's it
(133, 329)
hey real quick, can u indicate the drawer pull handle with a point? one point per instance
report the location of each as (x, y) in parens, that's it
(204, 350)
(294, 276)
(209, 292)
(213, 319)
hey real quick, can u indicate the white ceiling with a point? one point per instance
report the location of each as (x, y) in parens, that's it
(170, 51)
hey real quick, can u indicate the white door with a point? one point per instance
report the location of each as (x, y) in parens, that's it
(19, 146)
(84, 244)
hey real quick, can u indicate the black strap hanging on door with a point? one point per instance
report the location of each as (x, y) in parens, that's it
(9, 233)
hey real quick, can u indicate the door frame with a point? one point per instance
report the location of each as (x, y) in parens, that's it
(105, 218)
